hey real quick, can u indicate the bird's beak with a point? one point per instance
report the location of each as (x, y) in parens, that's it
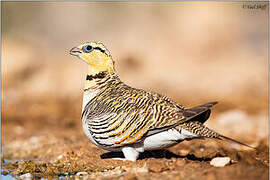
(75, 51)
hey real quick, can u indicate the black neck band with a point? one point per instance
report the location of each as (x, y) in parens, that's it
(96, 76)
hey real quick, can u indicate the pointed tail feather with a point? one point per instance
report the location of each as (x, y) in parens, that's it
(203, 131)
(235, 141)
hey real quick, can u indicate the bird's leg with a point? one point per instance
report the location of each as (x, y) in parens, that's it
(130, 153)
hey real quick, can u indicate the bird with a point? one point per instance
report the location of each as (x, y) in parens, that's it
(120, 118)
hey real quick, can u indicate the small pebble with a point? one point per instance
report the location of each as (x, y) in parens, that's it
(220, 161)
(130, 177)
(139, 170)
(34, 139)
(181, 162)
(183, 152)
(60, 156)
(27, 176)
(81, 174)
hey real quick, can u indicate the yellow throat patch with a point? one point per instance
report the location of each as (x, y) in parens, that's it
(96, 55)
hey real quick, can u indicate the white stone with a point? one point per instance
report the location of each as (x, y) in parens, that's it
(34, 139)
(60, 156)
(139, 170)
(81, 174)
(220, 161)
(27, 176)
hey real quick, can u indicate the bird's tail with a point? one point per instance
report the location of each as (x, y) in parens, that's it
(201, 130)
(235, 141)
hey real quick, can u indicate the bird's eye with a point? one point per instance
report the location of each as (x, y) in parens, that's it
(87, 48)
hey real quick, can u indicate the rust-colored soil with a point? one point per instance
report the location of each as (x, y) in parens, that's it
(46, 140)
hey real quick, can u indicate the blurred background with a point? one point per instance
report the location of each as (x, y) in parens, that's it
(193, 52)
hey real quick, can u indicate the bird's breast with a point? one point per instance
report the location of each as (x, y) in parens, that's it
(87, 96)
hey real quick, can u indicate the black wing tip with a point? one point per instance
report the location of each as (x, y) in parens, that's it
(206, 105)
(212, 103)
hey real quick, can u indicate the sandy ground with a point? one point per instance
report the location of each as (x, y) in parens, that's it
(62, 150)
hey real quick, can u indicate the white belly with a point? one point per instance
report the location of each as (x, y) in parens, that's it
(87, 96)
(166, 139)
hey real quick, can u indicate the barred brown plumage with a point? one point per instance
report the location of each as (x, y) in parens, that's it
(117, 117)
(127, 111)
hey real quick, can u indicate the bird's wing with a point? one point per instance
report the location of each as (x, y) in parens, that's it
(161, 118)
(158, 114)
(199, 113)
(123, 119)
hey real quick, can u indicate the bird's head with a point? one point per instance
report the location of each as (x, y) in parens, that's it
(96, 55)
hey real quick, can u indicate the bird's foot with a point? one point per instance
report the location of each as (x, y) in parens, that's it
(130, 153)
